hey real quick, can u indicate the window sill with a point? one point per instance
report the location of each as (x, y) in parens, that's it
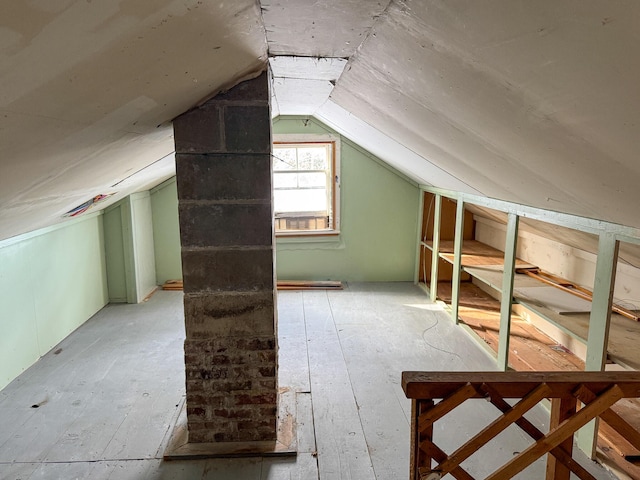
(329, 236)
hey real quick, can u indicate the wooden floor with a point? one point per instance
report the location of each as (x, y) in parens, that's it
(101, 404)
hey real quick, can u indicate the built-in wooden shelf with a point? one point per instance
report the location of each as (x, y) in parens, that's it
(623, 333)
(548, 332)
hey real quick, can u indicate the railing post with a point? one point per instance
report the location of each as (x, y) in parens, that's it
(561, 409)
(417, 458)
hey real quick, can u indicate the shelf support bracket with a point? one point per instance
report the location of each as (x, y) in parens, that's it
(506, 302)
(457, 261)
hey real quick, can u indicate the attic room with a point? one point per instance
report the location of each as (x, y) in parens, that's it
(449, 187)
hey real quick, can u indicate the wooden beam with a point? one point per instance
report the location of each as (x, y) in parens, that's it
(308, 285)
(511, 384)
(584, 224)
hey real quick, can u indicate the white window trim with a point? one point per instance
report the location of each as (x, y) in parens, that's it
(306, 138)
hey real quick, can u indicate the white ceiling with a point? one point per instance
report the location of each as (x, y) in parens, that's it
(534, 102)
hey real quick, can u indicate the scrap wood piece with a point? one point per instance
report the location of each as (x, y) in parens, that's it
(577, 290)
(282, 285)
(308, 285)
(172, 285)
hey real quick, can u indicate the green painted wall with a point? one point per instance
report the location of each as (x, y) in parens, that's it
(114, 253)
(142, 244)
(166, 231)
(379, 211)
(51, 281)
(129, 249)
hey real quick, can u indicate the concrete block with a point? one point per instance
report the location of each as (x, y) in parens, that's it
(199, 130)
(254, 90)
(217, 270)
(224, 177)
(245, 314)
(247, 129)
(225, 225)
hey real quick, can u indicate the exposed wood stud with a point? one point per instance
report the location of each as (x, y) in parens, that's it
(437, 214)
(457, 262)
(507, 290)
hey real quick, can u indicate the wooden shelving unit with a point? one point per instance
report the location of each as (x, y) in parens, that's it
(521, 330)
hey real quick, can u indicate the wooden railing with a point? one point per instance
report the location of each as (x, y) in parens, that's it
(595, 391)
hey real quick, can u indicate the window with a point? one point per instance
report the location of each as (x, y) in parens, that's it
(305, 187)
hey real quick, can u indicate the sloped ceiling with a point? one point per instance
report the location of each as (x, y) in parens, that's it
(533, 102)
(89, 87)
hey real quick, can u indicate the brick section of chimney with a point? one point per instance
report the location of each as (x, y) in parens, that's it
(223, 163)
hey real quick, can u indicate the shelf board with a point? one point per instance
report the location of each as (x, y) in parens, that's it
(622, 346)
(475, 254)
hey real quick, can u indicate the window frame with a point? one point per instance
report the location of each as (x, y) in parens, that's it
(298, 139)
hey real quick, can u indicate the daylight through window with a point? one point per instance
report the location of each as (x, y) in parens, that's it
(304, 187)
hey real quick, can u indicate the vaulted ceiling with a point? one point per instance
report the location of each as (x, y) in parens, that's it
(533, 102)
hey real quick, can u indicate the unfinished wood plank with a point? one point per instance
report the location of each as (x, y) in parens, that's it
(575, 290)
(308, 285)
(557, 300)
(618, 443)
(172, 285)
(492, 277)
(470, 296)
(477, 254)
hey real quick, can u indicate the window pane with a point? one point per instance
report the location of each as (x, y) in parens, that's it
(284, 158)
(315, 179)
(300, 200)
(312, 158)
(303, 186)
(285, 180)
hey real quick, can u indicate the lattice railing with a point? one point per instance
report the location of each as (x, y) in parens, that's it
(595, 391)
